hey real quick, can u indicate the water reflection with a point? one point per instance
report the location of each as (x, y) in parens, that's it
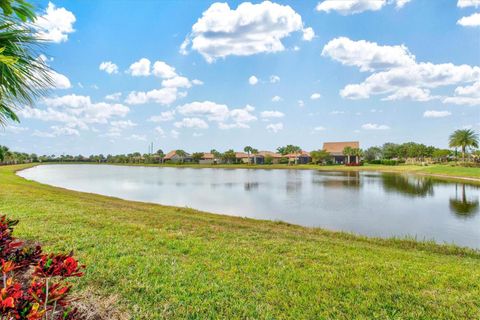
(462, 205)
(249, 186)
(337, 179)
(408, 185)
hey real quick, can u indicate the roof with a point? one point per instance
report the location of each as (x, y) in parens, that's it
(170, 155)
(241, 155)
(337, 147)
(269, 154)
(297, 154)
(208, 156)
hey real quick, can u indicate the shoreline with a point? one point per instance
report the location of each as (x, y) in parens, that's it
(399, 169)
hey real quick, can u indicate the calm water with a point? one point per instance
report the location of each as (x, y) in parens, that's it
(371, 204)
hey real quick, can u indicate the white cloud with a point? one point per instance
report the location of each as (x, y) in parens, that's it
(113, 96)
(241, 117)
(308, 34)
(75, 111)
(140, 68)
(56, 131)
(253, 80)
(174, 133)
(337, 112)
(163, 117)
(109, 67)
(164, 96)
(163, 70)
(300, 103)
(468, 3)
(277, 99)
(249, 29)
(59, 81)
(13, 129)
(315, 96)
(274, 79)
(436, 114)
(472, 20)
(139, 137)
(123, 124)
(191, 123)
(368, 56)
(272, 114)
(176, 82)
(197, 82)
(213, 111)
(468, 95)
(55, 24)
(374, 126)
(319, 128)
(395, 71)
(346, 7)
(274, 127)
(400, 3)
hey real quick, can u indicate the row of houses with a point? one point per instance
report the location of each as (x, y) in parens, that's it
(303, 157)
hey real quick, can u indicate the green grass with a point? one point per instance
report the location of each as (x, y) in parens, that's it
(167, 262)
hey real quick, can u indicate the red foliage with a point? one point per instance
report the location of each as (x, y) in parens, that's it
(45, 296)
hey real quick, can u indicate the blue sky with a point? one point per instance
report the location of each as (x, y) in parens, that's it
(198, 75)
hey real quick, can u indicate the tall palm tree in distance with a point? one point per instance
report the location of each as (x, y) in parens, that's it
(463, 138)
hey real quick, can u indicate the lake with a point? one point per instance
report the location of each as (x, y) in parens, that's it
(366, 203)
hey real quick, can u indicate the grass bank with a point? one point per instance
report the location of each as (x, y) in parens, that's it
(167, 262)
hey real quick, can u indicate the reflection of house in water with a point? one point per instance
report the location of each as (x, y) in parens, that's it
(462, 205)
(248, 186)
(338, 179)
(408, 185)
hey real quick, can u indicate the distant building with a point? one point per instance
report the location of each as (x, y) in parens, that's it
(336, 150)
(273, 155)
(172, 156)
(208, 158)
(301, 157)
(249, 159)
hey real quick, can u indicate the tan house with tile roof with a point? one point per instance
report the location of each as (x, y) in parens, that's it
(336, 150)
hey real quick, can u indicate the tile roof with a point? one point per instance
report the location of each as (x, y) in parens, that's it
(270, 154)
(170, 155)
(337, 147)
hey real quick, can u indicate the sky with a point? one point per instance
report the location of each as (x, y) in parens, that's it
(198, 75)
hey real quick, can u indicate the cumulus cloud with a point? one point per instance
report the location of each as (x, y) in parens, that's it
(56, 131)
(164, 96)
(177, 82)
(468, 3)
(196, 123)
(348, 7)
(274, 127)
(301, 103)
(211, 110)
(55, 24)
(470, 21)
(436, 114)
(272, 114)
(75, 111)
(163, 116)
(113, 96)
(253, 80)
(308, 34)
(315, 96)
(374, 126)
(276, 99)
(249, 29)
(163, 70)
(160, 132)
(109, 67)
(395, 71)
(467, 95)
(140, 68)
(59, 81)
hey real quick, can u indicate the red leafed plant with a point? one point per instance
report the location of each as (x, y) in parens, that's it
(34, 283)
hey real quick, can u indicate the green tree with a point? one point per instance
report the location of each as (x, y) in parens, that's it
(320, 156)
(23, 75)
(466, 138)
(197, 156)
(348, 151)
(229, 156)
(289, 149)
(248, 150)
(373, 153)
(390, 150)
(182, 154)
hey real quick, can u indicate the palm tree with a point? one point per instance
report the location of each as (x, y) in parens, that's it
(463, 138)
(348, 151)
(248, 150)
(182, 154)
(23, 75)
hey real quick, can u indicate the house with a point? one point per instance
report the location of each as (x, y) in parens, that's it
(208, 158)
(336, 150)
(276, 157)
(301, 157)
(172, 156)
(243, 157)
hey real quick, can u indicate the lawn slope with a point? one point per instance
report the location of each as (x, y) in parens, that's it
(166, 262)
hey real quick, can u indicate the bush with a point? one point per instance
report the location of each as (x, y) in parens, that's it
(34, 284)
(386, 162)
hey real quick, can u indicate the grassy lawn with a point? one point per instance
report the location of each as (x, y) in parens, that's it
(166, 262)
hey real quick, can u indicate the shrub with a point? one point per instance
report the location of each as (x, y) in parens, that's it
(34, 283)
